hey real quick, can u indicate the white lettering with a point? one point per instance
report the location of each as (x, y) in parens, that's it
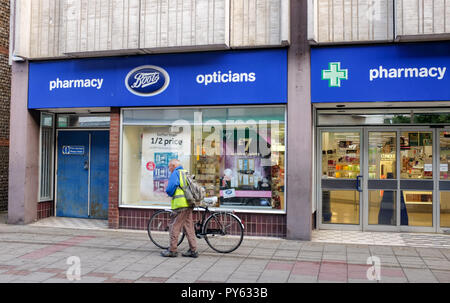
(198, 293)
(441, 71)
(200, 79)
(433, 72)
(373, 74)
(407, 72)
(230, 77)
(100, 83)
(78, 83)
(145, 79)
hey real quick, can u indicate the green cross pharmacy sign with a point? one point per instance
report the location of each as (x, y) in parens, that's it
(334, 74)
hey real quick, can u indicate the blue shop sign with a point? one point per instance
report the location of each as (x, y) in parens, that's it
(395, 72)
(206, 78)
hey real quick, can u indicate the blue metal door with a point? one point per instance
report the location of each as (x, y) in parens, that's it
(99, 175)
(83, 162)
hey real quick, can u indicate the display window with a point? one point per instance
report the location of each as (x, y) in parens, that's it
(236, 153)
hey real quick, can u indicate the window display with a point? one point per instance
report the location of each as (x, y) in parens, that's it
(416, 151)
(382, 155)
(236, 153)
(340, 155)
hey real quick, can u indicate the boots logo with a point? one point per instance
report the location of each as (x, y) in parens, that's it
(147, 81)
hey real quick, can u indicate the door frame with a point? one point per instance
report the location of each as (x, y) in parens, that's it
(399, 228)
(438, 177)
(331, 226)
(364, 161)
(55, 193)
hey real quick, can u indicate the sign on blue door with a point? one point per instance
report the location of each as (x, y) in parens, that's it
(73, 150)
(394, 72)
(82, 178)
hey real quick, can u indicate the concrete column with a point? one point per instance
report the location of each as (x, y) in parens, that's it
(23, 151)
(300, 128)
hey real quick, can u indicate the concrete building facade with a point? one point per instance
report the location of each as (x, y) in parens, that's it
(302, 48)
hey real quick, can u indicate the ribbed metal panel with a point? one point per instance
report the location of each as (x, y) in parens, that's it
(58, 28)
(257, 22)
(340, 21)
(422, 17)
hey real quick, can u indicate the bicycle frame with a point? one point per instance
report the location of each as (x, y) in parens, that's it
(199, 232)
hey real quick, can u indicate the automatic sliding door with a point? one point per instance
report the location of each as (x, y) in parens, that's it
(341, 183)
(382, 178)
(416, 173)
(444, 179)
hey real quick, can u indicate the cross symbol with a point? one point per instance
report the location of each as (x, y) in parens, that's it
(334, 75)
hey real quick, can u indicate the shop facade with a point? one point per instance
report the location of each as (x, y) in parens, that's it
(109, 127)
(382, 131)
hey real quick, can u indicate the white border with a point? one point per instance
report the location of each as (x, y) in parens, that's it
(157, 92)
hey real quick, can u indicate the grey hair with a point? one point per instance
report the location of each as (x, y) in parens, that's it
(175, 162)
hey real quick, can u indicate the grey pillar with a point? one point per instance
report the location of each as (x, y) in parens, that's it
(23, 151)
(300, 128)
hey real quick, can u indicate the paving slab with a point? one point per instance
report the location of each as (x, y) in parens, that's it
(35, 254)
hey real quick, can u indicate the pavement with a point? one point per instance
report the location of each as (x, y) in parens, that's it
(46, 254)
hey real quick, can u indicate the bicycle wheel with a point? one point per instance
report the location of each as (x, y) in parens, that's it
(224, 232)
(158, 229)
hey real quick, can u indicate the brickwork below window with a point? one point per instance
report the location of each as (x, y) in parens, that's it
(264, 225)
(45, 210)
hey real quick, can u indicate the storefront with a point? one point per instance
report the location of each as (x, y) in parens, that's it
(111, 126)
(382, 131)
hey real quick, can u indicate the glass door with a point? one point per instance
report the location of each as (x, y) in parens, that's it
(380, 189)
(340, 178)
(398, 190)
(416, 179)
(443, 213)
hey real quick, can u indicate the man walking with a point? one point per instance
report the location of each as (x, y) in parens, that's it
(182, 213)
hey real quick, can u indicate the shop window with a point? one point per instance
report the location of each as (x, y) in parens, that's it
(237, 154)
(46, 157)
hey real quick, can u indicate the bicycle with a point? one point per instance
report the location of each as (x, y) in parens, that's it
(222, 230)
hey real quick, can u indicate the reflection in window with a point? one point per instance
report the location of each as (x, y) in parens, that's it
(382, 207)
(237, 154)
(382, 155)
(445, 209)
(444, 155)
(416, 152)
(419, 207)
(340, 206)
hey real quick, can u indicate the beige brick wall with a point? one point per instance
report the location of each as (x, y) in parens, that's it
(59, 28)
